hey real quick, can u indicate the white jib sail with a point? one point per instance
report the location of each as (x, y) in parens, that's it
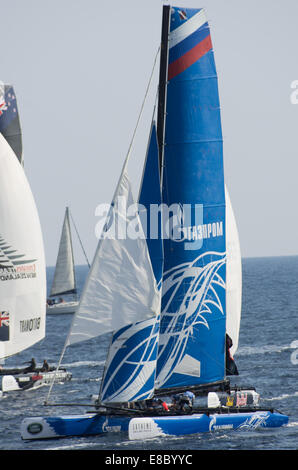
(120, 288)
(233, 276)
(22, 260)
(64, 277)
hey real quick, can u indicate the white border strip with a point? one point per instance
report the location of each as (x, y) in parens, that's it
(187, 28)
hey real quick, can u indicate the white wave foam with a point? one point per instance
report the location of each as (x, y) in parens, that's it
(75, 446)
(293, 424)
(84, 364)
(284, 396)
(265, 349)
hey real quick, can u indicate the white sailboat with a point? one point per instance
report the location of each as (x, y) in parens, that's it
(164, 299)
(64, 281)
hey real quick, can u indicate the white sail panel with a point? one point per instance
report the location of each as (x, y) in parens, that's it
(120, 288)
(64, 277)
(22, 261)
(233, 276)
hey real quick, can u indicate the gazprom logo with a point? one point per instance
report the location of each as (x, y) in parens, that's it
(190, 228)
(181, 223)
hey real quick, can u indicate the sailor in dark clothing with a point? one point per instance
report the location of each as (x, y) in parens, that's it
(31, 367)
(45, 366)
(231, 368)
(183, 401)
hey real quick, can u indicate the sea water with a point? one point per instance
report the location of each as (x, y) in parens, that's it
(267, 358)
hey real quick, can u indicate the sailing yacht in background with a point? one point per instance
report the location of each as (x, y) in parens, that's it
(64, 281)
(164, 299)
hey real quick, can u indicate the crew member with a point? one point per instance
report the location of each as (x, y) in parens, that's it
(231, 368)
(184, 401)
(45, 366)
(31, 367)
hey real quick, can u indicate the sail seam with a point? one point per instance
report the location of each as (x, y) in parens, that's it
(193, 142)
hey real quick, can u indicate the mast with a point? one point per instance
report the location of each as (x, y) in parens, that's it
(163, 79)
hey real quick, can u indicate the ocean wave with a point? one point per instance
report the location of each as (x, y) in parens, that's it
(84, 364)
(284, 396)
(265, 349)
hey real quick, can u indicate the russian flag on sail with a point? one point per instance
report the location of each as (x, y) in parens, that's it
(188, 43)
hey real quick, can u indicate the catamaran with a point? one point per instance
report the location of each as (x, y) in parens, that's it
(169, 300)
(64, 281)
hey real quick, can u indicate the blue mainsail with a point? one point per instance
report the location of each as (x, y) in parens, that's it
(192, 330)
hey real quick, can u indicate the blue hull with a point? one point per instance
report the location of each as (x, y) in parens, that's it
(142, 428)
(146, 427)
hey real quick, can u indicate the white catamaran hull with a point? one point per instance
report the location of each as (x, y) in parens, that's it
(146, 427)
(65, 307)
(10, 383)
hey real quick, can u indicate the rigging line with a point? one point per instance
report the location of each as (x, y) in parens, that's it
(148, 145)
(56, 370)
(140, 114)
(79, 239)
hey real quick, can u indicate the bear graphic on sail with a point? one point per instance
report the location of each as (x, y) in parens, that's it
(169, 302)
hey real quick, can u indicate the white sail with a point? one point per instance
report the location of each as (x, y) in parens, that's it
(233, 276)
(64, 278)
(120, 288)
(22, 261)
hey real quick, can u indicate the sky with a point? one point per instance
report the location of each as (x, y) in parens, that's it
(80, 69)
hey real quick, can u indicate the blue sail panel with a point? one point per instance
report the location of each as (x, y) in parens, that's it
(131, 363)
(192, 329)
(149, 202)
